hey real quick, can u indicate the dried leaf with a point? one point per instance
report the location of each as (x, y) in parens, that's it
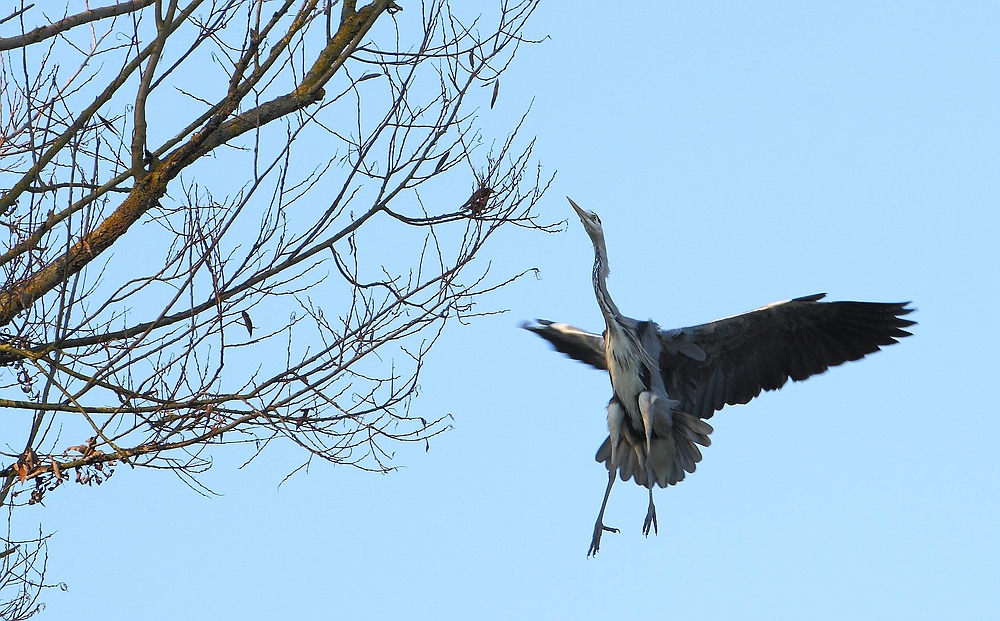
(83, 449)
(441, 162)
(107, 124)
(496, 91)
(248, 323)
(25, 464)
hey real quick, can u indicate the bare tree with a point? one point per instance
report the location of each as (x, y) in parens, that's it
(238, 221)
(22, 576)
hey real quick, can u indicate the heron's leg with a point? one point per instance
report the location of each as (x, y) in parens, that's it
(616, 414)
(599, 527)
(650, 515)
(647, 405)
(647, 401)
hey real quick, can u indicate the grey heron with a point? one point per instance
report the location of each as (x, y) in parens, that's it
(665, 383)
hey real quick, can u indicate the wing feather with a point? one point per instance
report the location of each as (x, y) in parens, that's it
(762, 349)
(730, 361)
(574, 342)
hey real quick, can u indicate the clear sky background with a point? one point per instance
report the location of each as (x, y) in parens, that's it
(738, 154)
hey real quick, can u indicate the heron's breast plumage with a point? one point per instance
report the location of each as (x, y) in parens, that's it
(629, 374)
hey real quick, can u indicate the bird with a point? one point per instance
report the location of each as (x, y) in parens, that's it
(479, 200)
(666, 383)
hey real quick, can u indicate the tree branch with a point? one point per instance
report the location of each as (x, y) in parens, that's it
(44, 32)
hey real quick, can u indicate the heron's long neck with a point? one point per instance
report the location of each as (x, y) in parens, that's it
(601, 271)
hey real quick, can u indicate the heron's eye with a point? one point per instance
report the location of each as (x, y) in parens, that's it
(595, 218)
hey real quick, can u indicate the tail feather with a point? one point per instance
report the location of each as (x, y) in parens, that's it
(674, 445)
(627, 468)
(688, 455)
(695, 429)
(604, 453)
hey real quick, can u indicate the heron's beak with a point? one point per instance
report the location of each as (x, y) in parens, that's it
(576, 208)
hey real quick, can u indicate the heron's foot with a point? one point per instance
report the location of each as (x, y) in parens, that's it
(650, 520)
(599, 529)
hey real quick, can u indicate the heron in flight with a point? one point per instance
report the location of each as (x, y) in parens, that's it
(666, 382)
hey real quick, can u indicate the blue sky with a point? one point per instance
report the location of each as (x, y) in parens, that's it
(737, 155)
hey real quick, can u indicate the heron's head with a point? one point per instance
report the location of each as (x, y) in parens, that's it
(591, 223)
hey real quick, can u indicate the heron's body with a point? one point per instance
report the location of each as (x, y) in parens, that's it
(630, 374)
(665, 383)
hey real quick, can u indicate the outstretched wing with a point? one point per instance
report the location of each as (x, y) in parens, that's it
(762, 349)
(732, 360)
(574, 342)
